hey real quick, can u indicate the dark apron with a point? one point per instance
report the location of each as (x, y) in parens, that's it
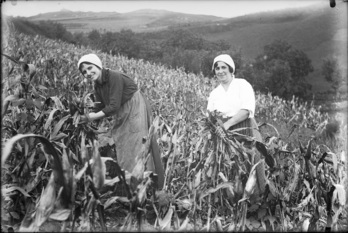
(251, 128)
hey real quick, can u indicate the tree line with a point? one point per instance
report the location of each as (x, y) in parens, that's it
(280, 69)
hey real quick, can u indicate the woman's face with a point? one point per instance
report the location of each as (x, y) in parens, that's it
(90, 71)
(222, 72)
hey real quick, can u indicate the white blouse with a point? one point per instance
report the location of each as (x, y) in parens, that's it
(240, 95)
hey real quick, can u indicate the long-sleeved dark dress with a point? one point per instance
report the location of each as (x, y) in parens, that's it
(119, 97)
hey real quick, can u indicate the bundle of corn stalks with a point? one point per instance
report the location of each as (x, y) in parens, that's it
(229, 170)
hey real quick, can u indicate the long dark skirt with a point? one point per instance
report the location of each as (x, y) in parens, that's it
(132, 123)
(252, 130)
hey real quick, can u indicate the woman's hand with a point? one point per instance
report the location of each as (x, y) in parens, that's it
(91, 117)
(90, 104)
(84, 119)
(226, 125)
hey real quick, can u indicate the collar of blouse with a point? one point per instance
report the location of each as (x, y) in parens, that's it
(227, 83)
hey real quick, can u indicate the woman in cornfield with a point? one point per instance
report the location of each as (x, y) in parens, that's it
(117, 95)
(234, 98)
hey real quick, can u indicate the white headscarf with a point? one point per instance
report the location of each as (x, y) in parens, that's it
(90, 58)
(224, 58)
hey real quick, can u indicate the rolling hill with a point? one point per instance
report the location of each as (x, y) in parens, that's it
(318, 31)
(138, 21)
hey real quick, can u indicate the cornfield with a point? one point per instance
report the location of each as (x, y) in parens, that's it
(57, 171)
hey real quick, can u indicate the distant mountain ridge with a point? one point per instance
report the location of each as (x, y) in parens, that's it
(137, 21)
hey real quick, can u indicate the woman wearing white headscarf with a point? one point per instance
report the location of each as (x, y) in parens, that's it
(119, 97)
(235, 99)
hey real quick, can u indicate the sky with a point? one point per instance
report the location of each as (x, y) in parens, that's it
(227, 8)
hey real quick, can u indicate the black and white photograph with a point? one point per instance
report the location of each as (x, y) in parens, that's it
(162, 116)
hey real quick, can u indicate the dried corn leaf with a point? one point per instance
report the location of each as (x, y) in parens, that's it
(112, 200)
(305, 225)
(183, 226)
(60, 214)
(84, 150)
(79, 174)
(164, 223)
(141, 192)
(340, 194)
(184, 204)
(50, 118)
(8, 189)
(68, 194)
(111, 182)
(228, 185)
(47, 202)
(272, 188)
(54, 135)
(294, 181)
(219, 227)
(197, 179)
(306, 200)
(58, 103)
(250, 184)
(31, 228)
(334, 161)
(35, 180)
(98, 167)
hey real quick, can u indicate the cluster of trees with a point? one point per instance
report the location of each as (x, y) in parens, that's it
(331, 71)
(280, 69)
(175, 48)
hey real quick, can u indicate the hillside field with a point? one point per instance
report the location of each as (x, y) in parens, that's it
(59, 175)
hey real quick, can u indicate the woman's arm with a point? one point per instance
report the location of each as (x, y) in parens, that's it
(239, 117)
(98, 104)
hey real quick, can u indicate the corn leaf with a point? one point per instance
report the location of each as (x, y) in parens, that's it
(60, 214)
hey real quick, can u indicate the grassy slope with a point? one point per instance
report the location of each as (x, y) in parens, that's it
(320, 32)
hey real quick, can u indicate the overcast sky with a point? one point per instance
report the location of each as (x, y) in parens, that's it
(227, 8)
